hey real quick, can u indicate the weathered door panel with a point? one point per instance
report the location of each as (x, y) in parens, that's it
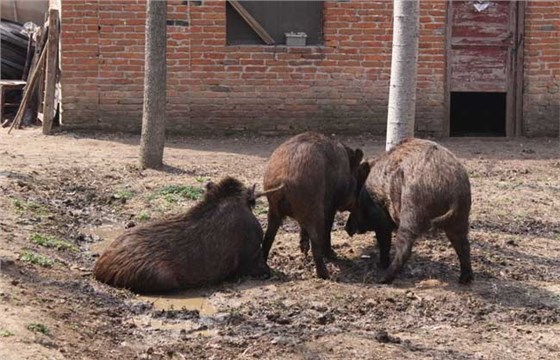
(487, 26)
(479, 69)
(480, 46)
(482, 51)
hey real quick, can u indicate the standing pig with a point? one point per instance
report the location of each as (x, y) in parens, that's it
(216, 239)
(416, 185)
(318, 178)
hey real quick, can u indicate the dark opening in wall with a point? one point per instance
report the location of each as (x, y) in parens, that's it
(478, 114)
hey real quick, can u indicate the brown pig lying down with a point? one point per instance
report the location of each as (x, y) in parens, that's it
(416, 185)
(216, 239)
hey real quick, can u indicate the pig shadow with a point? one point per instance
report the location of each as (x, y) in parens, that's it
(504, 275)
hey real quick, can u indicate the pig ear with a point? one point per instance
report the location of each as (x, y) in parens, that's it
(363, 172)
(355, 158)
(251, 193)
(209, 186)
(358, 155)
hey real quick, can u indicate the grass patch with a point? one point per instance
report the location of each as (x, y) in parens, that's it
(52, 242)
(6, 333)
(177, 193)
(261, 210)
(23, 206)
(235, 311)
(125, 194)
(38, 327)
(202, 179)
(37, 259)
(144, 216)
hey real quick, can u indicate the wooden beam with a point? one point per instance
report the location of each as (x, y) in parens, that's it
(518, 46)
(254, 24)
(28, 90)
(50, 72)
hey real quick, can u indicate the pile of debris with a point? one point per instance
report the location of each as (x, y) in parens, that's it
(30, 63)
(16, 49)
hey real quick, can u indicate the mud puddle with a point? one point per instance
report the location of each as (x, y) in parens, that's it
(183, 300)
(189, 300)
(102, 236)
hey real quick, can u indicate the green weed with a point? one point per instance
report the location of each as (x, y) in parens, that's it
(125, 194)
(38, 327)
(144, 216)
(176, 193)
(202, 179)
(235, 311)
(261, 210)
(6, 333)
(23, 206)
(52, 242)
(37, 259)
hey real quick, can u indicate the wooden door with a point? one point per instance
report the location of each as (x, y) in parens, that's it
(483, 39)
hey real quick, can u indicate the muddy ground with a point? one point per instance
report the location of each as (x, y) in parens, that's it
(64, 197)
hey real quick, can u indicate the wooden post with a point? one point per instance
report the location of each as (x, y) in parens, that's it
(28, 90)
(50, 72)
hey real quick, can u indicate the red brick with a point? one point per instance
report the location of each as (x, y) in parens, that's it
(350, 72)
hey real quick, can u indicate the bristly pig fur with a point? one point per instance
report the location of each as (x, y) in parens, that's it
(216, 239)
(416, 185)
(318, 174)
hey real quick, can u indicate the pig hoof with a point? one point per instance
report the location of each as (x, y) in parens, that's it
(465, 279)
(387, 279)
(331, 255)
(263, 276)
(323, 274)
(304, 249)
(383, 265)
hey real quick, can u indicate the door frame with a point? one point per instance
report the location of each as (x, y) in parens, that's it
(514, 70)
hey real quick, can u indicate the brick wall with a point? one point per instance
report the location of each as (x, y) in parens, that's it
(541, 94)
(80, 61)
(341, 86)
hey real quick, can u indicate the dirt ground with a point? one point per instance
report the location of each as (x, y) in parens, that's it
(77, 191)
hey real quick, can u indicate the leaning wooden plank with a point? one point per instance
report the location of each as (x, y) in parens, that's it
(28, 90)
(40, 90)
(50, 72)
(254, 24)
(40, 42)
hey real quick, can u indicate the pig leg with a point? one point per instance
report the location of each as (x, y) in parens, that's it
(384, 232)
(316, 230)
(274, 222)
(460, 242)
(303, 242)
(329, 252)
(409, 230)
(383, 236)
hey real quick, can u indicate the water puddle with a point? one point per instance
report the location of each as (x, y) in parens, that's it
(183, 300)
(102, 236)
(244, 293)
(184, 327)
